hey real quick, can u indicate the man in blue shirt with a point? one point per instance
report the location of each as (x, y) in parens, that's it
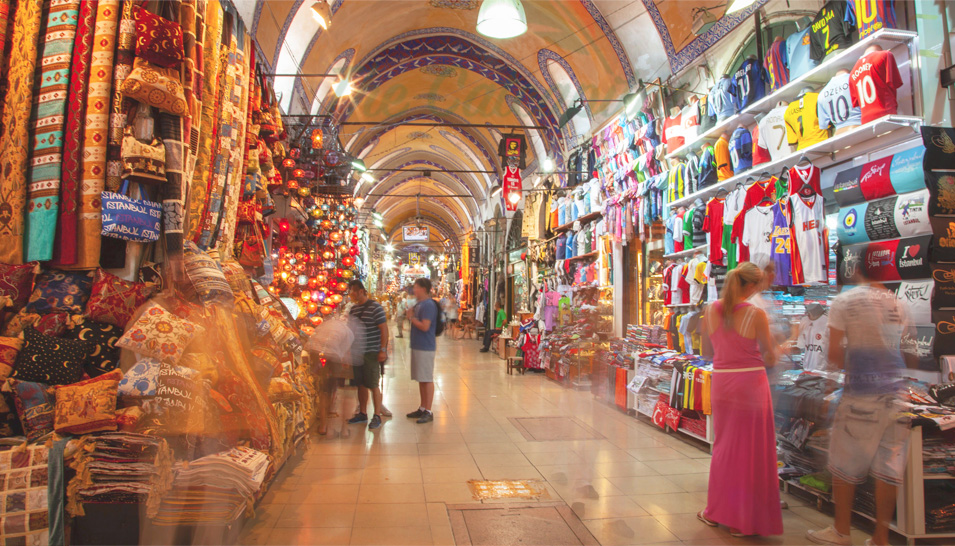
(424, 322)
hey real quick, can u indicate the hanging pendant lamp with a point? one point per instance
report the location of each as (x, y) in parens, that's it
(322, 13)
(501, 19)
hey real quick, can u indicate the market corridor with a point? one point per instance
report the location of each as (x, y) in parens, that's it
(394, 485)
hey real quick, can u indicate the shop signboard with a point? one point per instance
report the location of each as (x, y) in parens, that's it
(415, 234)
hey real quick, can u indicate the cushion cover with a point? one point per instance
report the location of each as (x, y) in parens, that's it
(50, 360)
(87, 406)
(60, 291)
(159, 334)
(113, 300)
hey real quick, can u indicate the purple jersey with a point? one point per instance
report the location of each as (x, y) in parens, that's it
(782, 254)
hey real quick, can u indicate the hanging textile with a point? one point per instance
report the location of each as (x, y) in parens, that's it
(192, 14)
(240, 117)
(64, 251)
(4, 29)
(53, 85)
(15, 136)
(173, 193)
(122, 66)
(96, 134)
(212, 63)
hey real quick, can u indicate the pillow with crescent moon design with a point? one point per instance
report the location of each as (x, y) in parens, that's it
(113, 300)
(159, 334)
(158, 40)
(104, 355)
(87, 406)
(50, 360)
(16, 282)
(60, 291)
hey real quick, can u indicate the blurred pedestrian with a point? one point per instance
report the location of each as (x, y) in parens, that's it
(370, 349)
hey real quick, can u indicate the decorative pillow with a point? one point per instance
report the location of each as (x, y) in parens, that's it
(19, 323)
(140, 380)
(182, 395)
(159, 334)
(237, 278)
(113, 300)
(16, 282)
(202, 363)
(50, 360)
(158, 40)
(156, 86)
(208, 282)
(35, 405)
(87, 406)
(9, 422)
(9, 348)
(53, 324)
(60, 291)
(128, 418)
(104, 355)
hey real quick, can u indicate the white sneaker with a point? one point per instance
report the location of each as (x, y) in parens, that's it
(385, 411)
(829, 535)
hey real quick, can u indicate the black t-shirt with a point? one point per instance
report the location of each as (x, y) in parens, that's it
(829, 31)
(699, 235)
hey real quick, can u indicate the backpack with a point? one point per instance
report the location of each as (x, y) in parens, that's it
(439, 324)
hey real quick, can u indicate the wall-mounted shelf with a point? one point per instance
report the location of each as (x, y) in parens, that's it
(585, 219)
(687, 252)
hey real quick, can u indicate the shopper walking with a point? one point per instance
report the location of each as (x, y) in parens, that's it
(329, 350)
(368, 355)
(866, 437)
(424, 323)
(743, 489)
(500, 319)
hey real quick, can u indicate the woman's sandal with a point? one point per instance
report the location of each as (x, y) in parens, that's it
(704, 519)
(736, 533)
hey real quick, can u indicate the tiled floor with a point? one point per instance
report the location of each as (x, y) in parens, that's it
(637, 485)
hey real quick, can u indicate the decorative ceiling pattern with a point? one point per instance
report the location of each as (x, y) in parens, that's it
(440, 71)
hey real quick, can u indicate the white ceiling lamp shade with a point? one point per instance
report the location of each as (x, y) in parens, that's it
(737, 5)
(322, 13)
(342, 88)
(501, 19)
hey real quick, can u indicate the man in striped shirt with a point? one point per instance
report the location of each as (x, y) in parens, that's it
(370, 350)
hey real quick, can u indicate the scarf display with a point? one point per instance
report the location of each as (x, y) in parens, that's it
(64, 252)
(43, 191)
(15, 137)
(96, 134)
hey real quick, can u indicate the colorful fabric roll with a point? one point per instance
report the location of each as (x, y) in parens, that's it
(173, 191)
(96, 134)
(193, 80)
(64, 252)
(4, 29)
(15, 136)
(240, 103)
(122, 66)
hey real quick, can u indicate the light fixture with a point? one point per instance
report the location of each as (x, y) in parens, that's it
(322, 13)
(501, 19)
(547, 165)
(358, 165)
(389, 248)
(377, 215)
(514, 197)
(379, 224)
(570, 113)
(631, 103)
(737, 5)
(367, 177)
(342, 88)
(359, 201)
(703, 21)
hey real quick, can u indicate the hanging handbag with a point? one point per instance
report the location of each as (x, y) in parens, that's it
(129, 219)
(247, 211)
(156, 86)
(145, 163)
(252, 253)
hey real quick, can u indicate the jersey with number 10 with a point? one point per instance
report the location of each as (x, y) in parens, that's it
(750, 83)
(871, 15)
(830, 31)
(835, 104)
(873, 83)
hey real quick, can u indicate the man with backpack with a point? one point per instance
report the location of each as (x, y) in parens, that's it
(426, 325)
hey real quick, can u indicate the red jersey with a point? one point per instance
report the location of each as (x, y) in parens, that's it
(713, 224)
(873, 83)
(673, 132)
(760, 154)
(512, 185)
(804, 175)
(754, 195)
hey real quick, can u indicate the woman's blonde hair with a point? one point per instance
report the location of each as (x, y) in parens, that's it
(745, 274)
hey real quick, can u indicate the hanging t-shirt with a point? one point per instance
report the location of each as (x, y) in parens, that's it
(741, 150)
(512, 187)
(801, 175)
(830, 31)
(814, 341)
(717, 277)
(750, 83)
(688, 229)
(871, 15)
(757, 235)
(721, 151)
(873, 83)
(722, 99)
(835, 104)
(668, 235)
(673, 132)
(676, 280)
(696, 287)
(808, 244)
(772, 133)
(690, 121)
(760, 152)
(776, 64)
(782, 253)
(684, 284)
(713, 227)
(667, 277)
(733, 205)
(799, 53)
(802, 122)
(678, 231)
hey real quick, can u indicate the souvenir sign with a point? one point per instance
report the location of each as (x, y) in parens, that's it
(906, 170)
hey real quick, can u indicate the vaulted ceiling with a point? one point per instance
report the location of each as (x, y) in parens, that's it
(420, 62)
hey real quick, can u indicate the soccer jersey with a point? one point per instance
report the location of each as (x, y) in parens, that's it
(722, 99)
(673, 132)
(808, 246)
(873, 83)
(667, 279)
(760, 152)
(834, 106)
(707, 168)
(802, 122)
(699, 219)
(668, 235)
(830, 31)
(814, 341)
(690, 122)
(741, 150)
(684, 283)
(696, 278)
(757, 235)
(776, 65)
(799, 53)
(750, 82)
(678, 232)
(800, 176)
(688, 229)
(782, 255)
(772, 133)
(707, 120)
(721, 152)
(713, 227)
(871, 15)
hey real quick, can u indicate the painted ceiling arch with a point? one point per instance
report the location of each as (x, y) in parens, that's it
(426, 164)
(465, 208)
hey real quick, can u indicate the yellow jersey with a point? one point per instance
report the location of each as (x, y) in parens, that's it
(802, 122)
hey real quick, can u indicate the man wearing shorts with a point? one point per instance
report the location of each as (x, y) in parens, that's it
(371, 349)
(424, 322)
(867, 437)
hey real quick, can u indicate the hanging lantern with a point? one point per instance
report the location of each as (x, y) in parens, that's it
(312, 308)
(326, 309)
(303, 191)
(295, 153)
(298, 173)
(326, 224)
(316, 320)
(348, 261)
(335, 298)
(343, 250)
(306, 295)
(316, 213)
(328, 255)
(302, 280)
(292, 184)
(322, 278)
(342, 286)
(348, 273)
(325, 207)
(318, 295)
(353, 251)
(313, 283)
(335, 236)
(318, 138)
(288, 163)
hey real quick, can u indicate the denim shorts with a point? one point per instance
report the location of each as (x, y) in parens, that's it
(867, 438)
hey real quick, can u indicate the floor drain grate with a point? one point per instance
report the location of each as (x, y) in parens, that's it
(549, 429)
(534, 524)
(508, 489)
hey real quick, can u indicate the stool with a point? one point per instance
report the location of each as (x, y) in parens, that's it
(515, 362)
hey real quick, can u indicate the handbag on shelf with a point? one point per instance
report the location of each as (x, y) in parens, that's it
(136, 220)
(142, 162)
(156, 86)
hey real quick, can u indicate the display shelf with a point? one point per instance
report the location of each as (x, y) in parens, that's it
(692, 434)
(585, 219)
(583, 256)
(819, 76)
(680, 305)
(939, 477)
(689, 252)
(878, 134)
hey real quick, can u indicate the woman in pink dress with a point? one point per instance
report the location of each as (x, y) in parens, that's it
(744, 485)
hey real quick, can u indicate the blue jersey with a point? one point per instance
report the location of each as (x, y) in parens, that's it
(782, 253)
(707, 168)
(741, 150)
(834, 106)
(750, 81)
(798, 51)
(722, 99)
(777, 65)
(871, 15)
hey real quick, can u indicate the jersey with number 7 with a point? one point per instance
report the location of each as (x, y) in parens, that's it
(873, 83)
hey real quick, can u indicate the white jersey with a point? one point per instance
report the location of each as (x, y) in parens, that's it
(690, 122)
(676, 293)
(772, 133)
(814, 341)
(809, 252)
(758, 235)
(733, 204)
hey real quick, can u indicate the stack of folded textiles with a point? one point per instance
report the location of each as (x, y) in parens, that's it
(214, 489)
